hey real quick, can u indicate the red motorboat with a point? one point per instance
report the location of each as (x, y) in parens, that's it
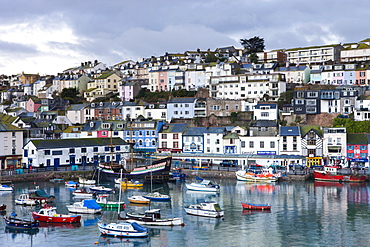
(332, 173)
(251, 206)
(49, 214)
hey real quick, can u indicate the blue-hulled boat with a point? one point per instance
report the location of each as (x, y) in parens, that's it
(15, 223)
(125, 230)
(156, 196)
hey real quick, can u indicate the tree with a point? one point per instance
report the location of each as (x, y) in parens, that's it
(71, 94)
(253, 58)
(253, 45)
(285, 98)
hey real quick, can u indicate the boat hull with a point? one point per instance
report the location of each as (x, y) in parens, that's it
(204, 213)
(158, 222)
(83, 210)
(250, 206)
(112, 205)
(198, 187)
(250, 177)
(58, 218)
(113, 231)
(20, 224)
(325, 176)
(157, 172)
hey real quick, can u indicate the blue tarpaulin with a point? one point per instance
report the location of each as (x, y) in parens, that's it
(91, 203)
(138, 227)
(198, 178)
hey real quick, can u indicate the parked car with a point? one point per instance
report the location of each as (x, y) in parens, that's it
(227, 163)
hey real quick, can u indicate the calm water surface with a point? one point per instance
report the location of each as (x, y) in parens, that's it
(303, 214)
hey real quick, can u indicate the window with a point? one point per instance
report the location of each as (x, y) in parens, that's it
(294, 139)
(284, 139)
(47, 152)
(272, 144)
(262, 144)
(56, 152)
(164, 136)
(95, 149)
(251, 144)
(350, 147)
(175, 136)
(118, 148)
(311, 142)
(175, 144)
(311, 151)
(71, 150)
(164, 144)
(13, 134)
(242, 144)
(264, 114)
(285, 147)
(294, 147)
(362, 147)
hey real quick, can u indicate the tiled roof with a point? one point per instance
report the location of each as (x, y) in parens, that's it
(195, 131)
(182, 100)
(357, 138)
(289, 131)
(174, 128)
(306, 128)
(6, 127)
(264, 123)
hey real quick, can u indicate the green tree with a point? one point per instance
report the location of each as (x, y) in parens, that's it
(71, 94)
(253, 58)
(253, 45)
(211, 58)
(285, 98)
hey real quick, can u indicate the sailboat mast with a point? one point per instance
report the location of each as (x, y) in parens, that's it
(120, 192)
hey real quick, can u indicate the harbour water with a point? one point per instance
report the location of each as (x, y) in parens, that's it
(303, 214)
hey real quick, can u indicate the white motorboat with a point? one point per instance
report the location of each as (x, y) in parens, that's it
(205, 185)
(101, 189)
(24, 199)
(88, 206)
(125, 230)
(82, 193)
(4, 187)
(156, 196)
(102, 200)
(205, 209)
(152, 217)
(71, 184)
(86, 181)
(243, 175)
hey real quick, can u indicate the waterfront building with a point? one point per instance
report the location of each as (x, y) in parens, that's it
(11, 142)
(312, 144)
(334, 146)
(357, 150)
(289, 140)
(64, 152)
(170, 138)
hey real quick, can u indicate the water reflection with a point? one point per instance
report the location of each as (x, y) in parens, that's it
(126, 242)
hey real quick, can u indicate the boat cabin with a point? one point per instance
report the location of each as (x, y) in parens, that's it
(210, 206)
(48, 211)
(153, 213)
(332, 169)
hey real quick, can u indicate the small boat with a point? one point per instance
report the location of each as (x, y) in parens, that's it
(252, 176)
(49, 214)
(128, 184)
(4, 187)
(86, 181)
(20, 223)
(205, 185)
(82, 193)
(103, 202)
(2, 207)
(139, 199)
(332, 173)
(205, 209)
(24, 199)
(101, 189)
(71, 184)
(41, 195)
(125, 230)
(88, 206)
(251, 206)
(152, 217)
(156, 196)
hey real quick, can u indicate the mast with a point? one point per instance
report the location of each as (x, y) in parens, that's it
(120, 192)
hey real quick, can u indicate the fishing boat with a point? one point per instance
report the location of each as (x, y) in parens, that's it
(251, 206)
(101, 189)
(128, 183)
(49, 214)
(82, 193)
(254, 176)
(205, 209)
(86, 181)
(71, 184)
(333, 174)
(24, 199)
(204, 185)
(125, 230)
(152, 217)
(138, 199)
(160, 170)
(88, 206)
(15, 223)
(40, 195)
(156, 196)
(4, 187)
(103, 202)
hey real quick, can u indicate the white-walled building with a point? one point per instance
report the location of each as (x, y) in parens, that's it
(335, 145)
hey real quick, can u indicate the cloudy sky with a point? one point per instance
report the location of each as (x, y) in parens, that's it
(49, 36)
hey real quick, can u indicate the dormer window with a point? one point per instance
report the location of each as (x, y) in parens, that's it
(106, 125)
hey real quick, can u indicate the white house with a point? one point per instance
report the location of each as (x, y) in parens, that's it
(335, 145)
(63, 152)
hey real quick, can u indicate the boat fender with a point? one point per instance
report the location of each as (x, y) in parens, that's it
(124, 206)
